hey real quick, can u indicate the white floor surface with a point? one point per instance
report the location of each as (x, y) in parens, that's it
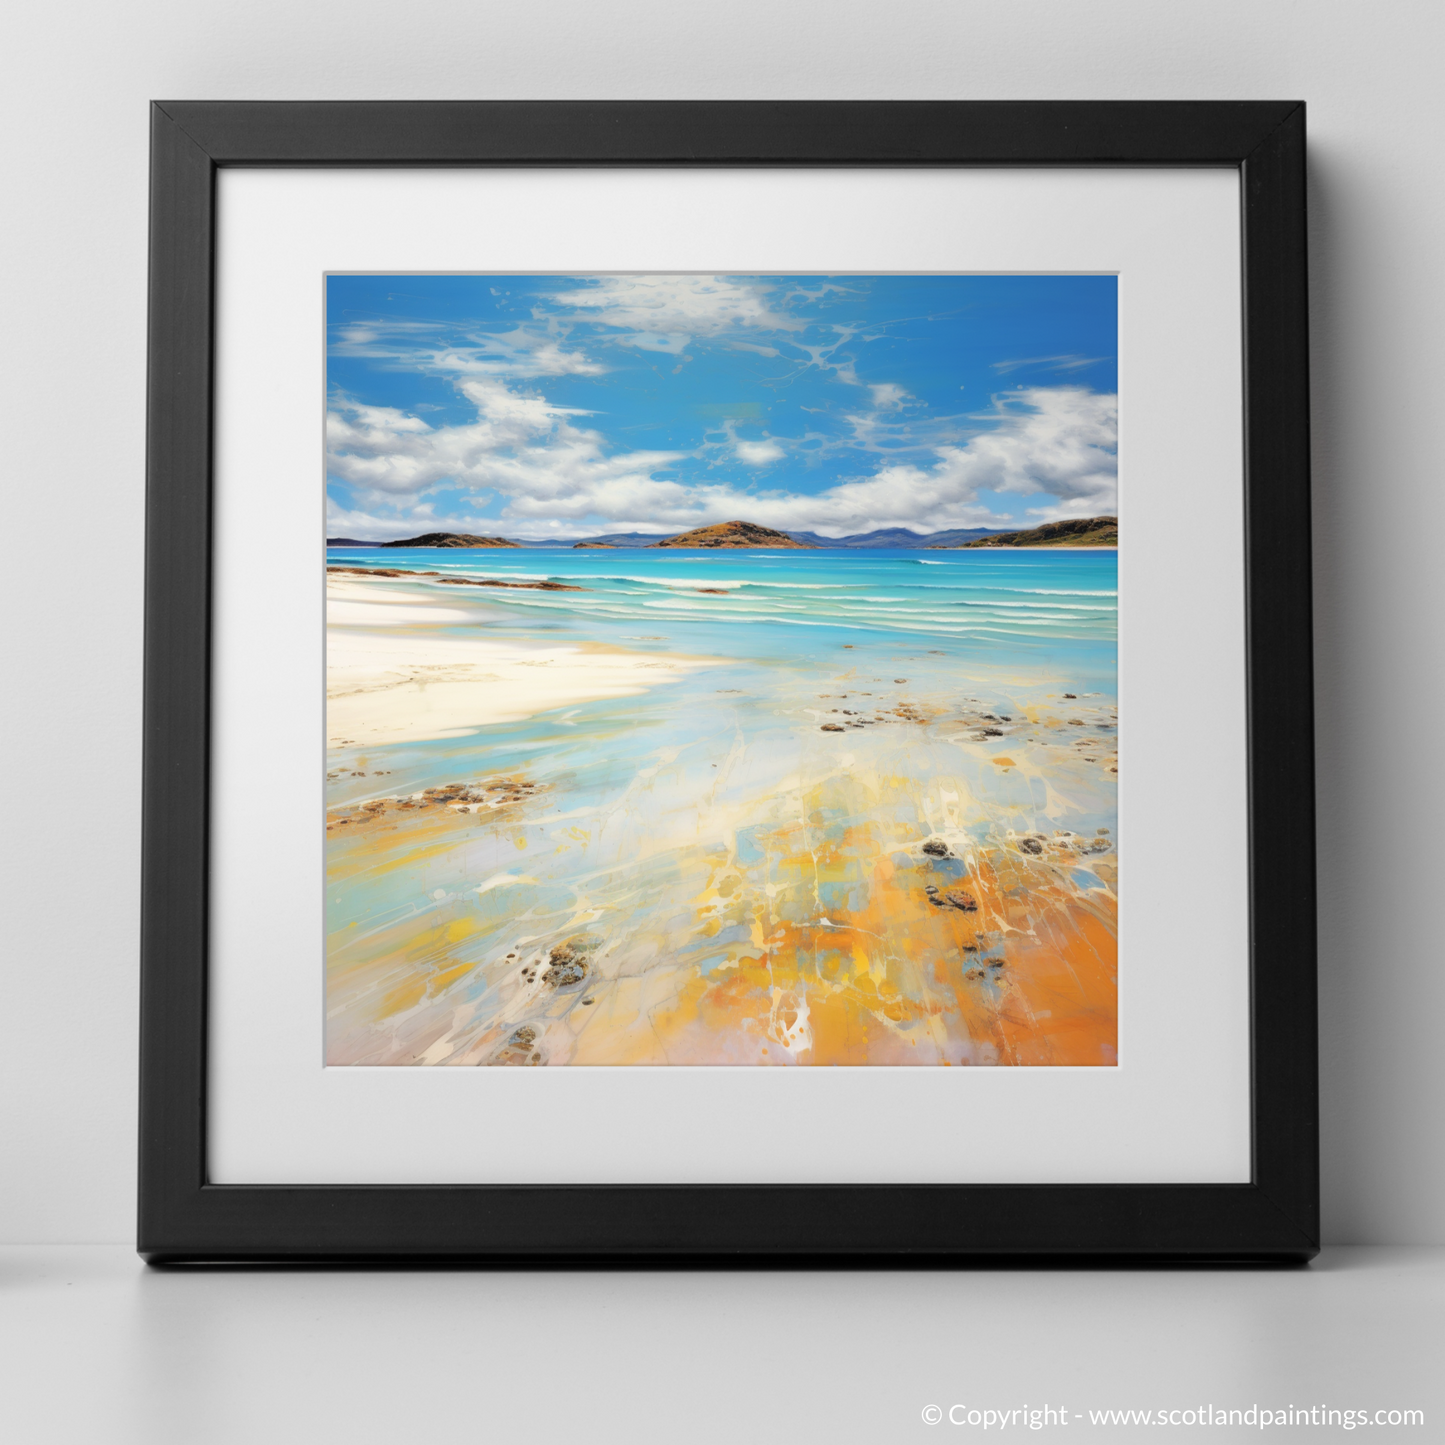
(95, 1347)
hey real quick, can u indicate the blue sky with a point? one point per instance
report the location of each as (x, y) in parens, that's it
(538, 406)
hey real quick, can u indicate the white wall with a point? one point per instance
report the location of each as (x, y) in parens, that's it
(75, 77)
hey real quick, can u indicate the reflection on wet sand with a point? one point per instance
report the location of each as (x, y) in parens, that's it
(822, 867)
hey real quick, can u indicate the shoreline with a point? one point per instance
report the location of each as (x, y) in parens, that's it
(389, 682)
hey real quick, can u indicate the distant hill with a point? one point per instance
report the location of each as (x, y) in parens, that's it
(732, 534)
(450, 539)
(348, 542)
(1077, 532)
(897, 537)
(606, 539)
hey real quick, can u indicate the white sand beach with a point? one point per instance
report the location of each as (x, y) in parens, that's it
(396, 672)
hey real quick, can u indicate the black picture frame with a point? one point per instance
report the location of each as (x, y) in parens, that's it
(184, 1217)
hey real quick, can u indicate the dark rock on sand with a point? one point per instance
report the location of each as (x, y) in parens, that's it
(459, 581)
(519, 1048)
(937, 848)
(955, 898)
(519, 586)
(831, 728)
(504, 790)
(463, 797)
(568, 962)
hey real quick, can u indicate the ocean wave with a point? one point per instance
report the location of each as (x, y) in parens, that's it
(990, 602)
(1070, 606)
(484, 572)
(1034, 636)
(930, 617)
(656, 581)
(999, 587)
(871, 624)
(751, 617)
(694, 581)
(668, 604)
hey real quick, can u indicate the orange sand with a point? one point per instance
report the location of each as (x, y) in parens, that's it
(879, 975)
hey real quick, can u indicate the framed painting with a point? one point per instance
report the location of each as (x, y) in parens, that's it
(655, 747)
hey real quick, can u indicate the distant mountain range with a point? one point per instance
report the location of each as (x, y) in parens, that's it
(884, 537)
(897, 537)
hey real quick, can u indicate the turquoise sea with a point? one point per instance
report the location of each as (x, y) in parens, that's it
(1046, 607)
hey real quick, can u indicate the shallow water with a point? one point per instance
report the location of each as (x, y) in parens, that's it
(731, 868)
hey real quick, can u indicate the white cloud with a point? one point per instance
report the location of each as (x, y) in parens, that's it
(520, 445)
(888, 397)
(1071, 362)
(523, 353)
(377, 421)
(657, 313)
(659, 305)
(822, 356)
(758, 454)
(1052, 442)
(363, 526)
(674, 343)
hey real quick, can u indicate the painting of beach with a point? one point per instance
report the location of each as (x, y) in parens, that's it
(721, 670)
